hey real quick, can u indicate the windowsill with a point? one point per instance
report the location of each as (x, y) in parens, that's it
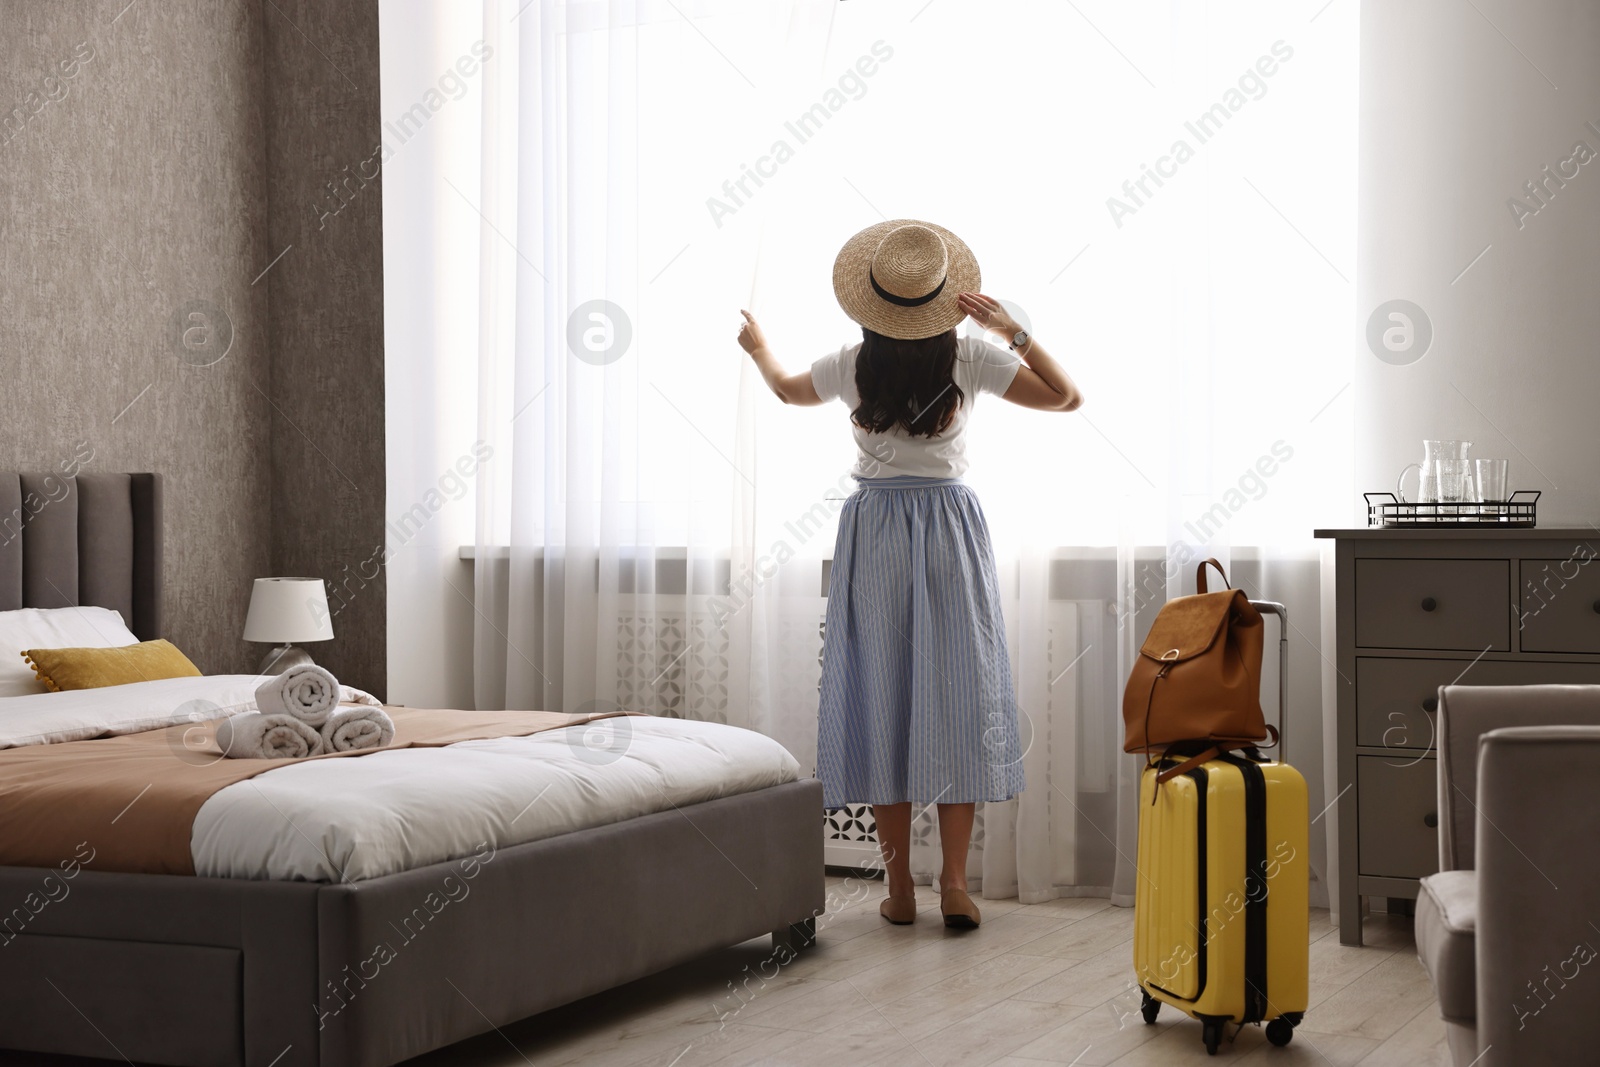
(1074, 572)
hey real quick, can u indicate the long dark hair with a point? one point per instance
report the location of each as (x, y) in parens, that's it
(909, 384)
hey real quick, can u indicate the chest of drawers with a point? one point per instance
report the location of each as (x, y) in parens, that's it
(1420, 609)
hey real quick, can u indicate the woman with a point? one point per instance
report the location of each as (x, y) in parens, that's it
(917, 703)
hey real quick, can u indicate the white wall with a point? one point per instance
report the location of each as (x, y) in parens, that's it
(1456, 115)
(431, 342)
(1461, 105)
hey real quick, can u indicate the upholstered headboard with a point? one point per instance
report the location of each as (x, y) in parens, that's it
(90, 539)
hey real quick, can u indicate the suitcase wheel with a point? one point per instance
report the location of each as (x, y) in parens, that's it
(1149, 1007)
(1212, 1034)
(1280, 1031)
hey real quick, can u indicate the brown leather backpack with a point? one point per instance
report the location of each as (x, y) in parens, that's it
(1195, 689)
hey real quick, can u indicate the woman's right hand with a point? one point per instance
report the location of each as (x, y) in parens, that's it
(988, 312)
(750, 335)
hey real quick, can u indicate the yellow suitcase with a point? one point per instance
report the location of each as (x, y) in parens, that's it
(1221, 910)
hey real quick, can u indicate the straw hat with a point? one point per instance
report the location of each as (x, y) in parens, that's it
(900, 278)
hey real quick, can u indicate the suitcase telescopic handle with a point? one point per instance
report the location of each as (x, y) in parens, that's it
(1272, 607)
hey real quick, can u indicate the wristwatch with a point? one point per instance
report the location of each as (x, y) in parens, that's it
(1019, 339)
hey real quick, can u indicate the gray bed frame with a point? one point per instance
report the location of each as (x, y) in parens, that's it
(215, 972)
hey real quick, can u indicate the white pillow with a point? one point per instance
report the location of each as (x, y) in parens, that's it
(83, 627)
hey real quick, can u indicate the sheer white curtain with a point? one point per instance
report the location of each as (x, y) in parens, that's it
(653, 527)
(624, 518)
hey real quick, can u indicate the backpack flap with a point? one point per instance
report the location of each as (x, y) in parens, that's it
(1198, 675)
(1189, 625)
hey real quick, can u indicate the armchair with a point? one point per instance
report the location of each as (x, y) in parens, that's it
(1509, 929)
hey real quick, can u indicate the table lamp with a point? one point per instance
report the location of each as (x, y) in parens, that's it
(284, 611)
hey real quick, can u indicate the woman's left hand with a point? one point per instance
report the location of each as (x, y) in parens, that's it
(750, 336)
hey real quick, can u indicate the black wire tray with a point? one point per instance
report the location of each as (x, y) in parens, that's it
(1522, 509)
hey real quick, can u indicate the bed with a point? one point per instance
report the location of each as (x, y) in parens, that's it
(280, 972)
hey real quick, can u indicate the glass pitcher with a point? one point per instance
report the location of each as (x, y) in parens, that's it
(1428, 471)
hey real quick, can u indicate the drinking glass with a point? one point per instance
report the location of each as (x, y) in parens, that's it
(1451, 478)
(1489, 477)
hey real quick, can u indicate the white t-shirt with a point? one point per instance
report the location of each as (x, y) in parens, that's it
(980, 367)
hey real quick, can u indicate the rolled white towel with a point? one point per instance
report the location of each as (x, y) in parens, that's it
(349, 729)
(307, 692)
(253, 735)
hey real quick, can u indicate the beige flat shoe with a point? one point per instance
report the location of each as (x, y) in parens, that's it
(902, 911)
(960, 913)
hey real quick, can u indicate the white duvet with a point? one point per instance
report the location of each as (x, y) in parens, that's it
(348, 819)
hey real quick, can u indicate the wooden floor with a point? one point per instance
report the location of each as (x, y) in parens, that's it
(1036, 984)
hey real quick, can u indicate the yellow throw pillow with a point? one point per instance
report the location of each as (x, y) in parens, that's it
(61, 669)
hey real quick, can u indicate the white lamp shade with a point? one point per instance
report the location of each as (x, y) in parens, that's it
(288, 611)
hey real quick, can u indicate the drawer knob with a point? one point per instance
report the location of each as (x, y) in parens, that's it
(1429, 604)
(1430, 705)
(1596, 606)
(1431, 820)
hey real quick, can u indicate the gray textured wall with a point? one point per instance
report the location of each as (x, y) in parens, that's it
(325, 317)
(134, 189)
(138, 190)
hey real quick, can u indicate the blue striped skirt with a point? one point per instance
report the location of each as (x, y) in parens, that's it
(917, 702)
